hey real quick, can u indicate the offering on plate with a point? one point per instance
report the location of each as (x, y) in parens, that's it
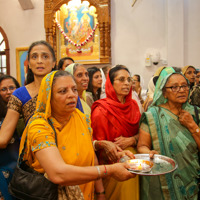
(146, 166)
(140, 165)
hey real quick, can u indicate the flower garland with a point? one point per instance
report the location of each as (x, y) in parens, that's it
(73, 43)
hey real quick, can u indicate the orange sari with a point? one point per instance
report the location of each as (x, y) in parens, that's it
(73, 141)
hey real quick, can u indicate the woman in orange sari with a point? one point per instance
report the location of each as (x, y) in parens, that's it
(115, 123)
(70, 161)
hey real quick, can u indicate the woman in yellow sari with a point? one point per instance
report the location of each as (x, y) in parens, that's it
(63, 162)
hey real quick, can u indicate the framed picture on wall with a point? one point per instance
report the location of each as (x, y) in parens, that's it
(79, 29)
(77, 33)
(21, 64)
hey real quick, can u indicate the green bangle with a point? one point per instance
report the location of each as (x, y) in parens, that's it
(98, 193)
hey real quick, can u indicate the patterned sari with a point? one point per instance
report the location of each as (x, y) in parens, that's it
(73, 141)
(21, 102)
(171, 139)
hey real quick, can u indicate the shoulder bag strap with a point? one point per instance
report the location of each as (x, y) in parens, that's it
(51, 124)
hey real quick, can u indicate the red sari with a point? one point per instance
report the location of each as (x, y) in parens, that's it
(111, 119)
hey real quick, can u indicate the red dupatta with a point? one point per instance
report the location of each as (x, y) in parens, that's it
(124, 117)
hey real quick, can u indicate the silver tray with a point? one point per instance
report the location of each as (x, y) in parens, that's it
(161, 165)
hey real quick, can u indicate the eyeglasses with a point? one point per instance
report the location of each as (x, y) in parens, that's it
(123, 79)
(5, 89)
(177, 88)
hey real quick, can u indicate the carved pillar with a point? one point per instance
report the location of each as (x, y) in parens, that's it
(49, 36)
(101, 29)
(107, 39)
(105, 31)
(54, 38)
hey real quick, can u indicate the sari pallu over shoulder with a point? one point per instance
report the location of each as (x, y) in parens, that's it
(77, 132)
(124, 117)
(112, 119)
(170, 138)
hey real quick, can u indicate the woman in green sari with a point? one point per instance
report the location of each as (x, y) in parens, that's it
(170, 128)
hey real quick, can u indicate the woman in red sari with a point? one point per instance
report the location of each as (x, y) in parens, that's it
(115, 123)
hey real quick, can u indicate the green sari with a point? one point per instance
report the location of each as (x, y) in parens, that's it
(171, 139)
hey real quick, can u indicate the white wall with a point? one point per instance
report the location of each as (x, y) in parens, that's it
(22, 27)
(192, 30)
(136, 29)
(171, 26)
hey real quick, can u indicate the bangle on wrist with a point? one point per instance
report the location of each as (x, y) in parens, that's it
(94, 145)
(99, 172)
(197, 131)
(105, 172)
(99, 193)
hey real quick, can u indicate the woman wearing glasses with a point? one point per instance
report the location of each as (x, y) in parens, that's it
(8, 156)
(8, 84)
(170, 128)
(115, 123)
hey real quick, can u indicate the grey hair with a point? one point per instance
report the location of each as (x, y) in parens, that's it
(61, 73)
(76, 66)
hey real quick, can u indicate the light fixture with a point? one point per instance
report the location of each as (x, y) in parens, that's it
(77, 4)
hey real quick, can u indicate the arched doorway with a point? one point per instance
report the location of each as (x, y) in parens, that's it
(4, 53)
